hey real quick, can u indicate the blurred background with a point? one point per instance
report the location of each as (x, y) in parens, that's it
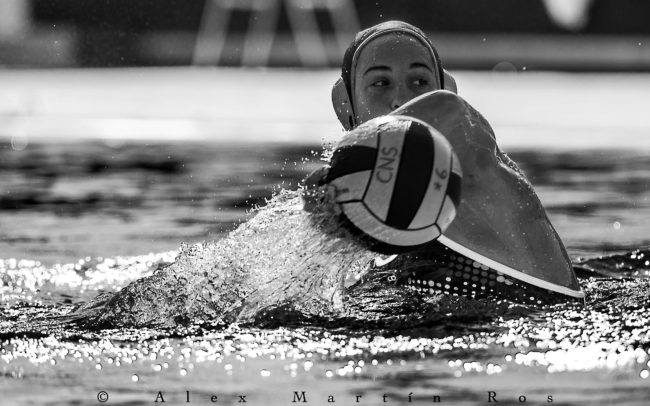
(128, 126)
(470, 34)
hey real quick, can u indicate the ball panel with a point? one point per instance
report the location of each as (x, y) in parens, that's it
(361, 217)
(455, 181)
(455, 166)
(351, 187)
(412, 177)
(350, 159)
(447, 213)
(444, 175)
(431, 204)
(382, 182)
(364, 135)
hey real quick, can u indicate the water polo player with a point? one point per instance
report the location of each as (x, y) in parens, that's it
(383, 68)
(501, 241)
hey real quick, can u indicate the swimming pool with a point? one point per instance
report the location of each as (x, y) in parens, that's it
(84, 213)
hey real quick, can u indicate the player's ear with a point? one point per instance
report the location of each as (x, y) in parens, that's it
(342, 105)
(450, 82)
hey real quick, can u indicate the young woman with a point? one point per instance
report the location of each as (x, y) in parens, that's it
(501, 241)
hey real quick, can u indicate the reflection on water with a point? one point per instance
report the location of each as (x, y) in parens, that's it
(108, 199)
(113, 201)
(597, 200)
(96, 199)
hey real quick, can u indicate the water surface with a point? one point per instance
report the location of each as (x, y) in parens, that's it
(84, 214)
(108, 205)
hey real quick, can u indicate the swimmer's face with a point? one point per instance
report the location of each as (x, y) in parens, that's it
(391, 70)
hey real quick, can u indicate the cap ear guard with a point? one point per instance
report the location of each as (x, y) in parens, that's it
(342, 105)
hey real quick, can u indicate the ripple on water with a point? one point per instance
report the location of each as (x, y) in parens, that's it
(286, 318)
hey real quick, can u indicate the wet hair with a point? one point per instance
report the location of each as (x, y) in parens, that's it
(362, 38)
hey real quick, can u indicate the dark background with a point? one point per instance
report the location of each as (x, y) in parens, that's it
(470, 34)
(477, 16)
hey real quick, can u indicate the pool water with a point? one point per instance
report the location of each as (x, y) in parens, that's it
(459, 350)
(82, 220)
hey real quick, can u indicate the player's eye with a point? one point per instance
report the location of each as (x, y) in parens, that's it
(380, 83)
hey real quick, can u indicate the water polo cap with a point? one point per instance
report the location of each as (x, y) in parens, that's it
(342, 90)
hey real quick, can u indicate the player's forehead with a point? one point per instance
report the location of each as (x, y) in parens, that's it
(392, 49)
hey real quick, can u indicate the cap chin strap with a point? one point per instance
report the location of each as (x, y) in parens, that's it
(343, 106)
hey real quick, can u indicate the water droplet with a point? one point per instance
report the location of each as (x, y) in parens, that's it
(644, 374)
(617, 225)
(508, 358)
(156, 367)
(505, 66)
(329, 373)
(227, 367)
(458, 374)
(135, 378)
(19, 143)
(98, 366)
(183, 372)
(265, 372)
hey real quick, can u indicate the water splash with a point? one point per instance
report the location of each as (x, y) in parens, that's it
(284, 258)
(284, 267)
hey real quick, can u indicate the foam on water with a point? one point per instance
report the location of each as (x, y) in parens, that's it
(396, 334)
